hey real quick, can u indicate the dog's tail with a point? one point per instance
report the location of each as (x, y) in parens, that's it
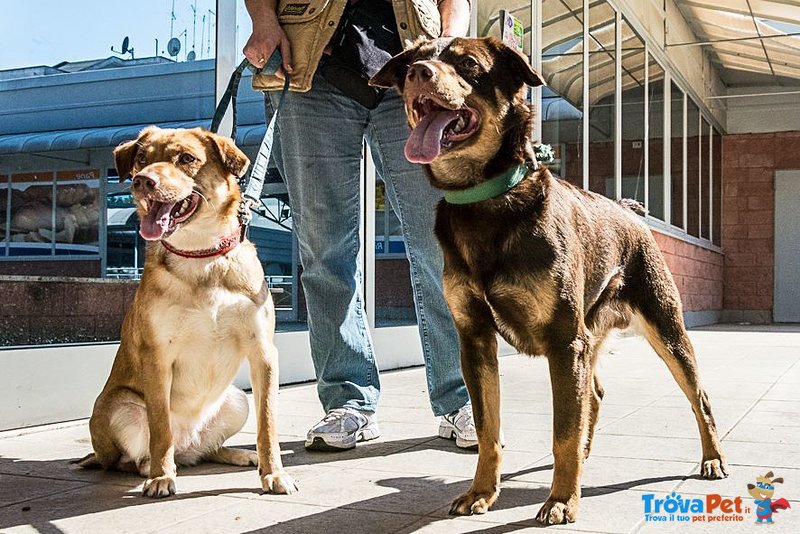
(89, 461)
(633, 205)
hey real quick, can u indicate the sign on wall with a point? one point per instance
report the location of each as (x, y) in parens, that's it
(513, 31)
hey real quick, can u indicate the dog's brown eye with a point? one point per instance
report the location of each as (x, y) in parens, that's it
(141, 158)
(469, 62)
(186, 159)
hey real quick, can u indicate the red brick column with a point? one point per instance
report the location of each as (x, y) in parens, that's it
(748, 218)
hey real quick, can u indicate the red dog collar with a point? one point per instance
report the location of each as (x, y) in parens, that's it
(223, 246)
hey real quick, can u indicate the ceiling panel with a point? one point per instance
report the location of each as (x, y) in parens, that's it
(748, 35)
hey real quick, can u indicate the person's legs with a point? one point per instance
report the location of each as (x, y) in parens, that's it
(414, 200)
(318, 152)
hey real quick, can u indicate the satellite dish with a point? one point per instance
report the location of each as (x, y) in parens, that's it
(191, 56)
(174, 46)
(125, 43)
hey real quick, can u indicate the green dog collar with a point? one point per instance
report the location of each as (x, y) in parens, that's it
(489, 189)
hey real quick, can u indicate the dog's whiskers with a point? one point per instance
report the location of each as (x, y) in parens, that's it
(201, 195)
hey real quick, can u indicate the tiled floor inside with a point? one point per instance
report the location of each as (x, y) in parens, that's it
(647, 442)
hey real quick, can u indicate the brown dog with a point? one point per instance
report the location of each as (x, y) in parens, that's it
(550, 267)
(201, 307)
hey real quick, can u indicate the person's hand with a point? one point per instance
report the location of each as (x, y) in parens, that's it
(455, 17)
(266, 37)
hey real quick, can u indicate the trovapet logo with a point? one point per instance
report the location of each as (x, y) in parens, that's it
(762, 491)
(708, 508)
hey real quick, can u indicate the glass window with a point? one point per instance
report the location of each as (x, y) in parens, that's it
(602, 87)
(655, 140)
(633, 117)
(47, 214)
(562, 98)
(5, 211)
(716, 190)
(677, 110)
(30, 214)
(705, 180)
(77, 213)
(80, 98)
(693, 169)
(394, 302)
(125, 248)
(271, 229)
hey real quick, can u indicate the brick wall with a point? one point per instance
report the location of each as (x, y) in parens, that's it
(698, 273)
(748, 215)
(37, 310)
(74, 268)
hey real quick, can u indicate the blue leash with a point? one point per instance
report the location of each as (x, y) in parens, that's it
(255, 182)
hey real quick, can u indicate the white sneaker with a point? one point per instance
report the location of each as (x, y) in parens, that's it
(341, 428)
(460, 426)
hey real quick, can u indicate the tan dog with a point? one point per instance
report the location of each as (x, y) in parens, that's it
(201, 307)
(550, 267)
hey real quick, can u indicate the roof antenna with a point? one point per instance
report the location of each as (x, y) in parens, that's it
(126, 48)
(172, 20)
(194, 24)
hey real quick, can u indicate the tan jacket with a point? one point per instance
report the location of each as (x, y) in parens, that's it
(310, 24)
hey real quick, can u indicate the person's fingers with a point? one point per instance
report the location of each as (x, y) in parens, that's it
(286, 54)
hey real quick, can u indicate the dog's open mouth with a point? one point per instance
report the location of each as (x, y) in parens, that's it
(163, 218)
(438, 127)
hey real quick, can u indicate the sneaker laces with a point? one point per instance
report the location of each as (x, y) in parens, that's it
(342, 416)
(463, 419)
(337, 414)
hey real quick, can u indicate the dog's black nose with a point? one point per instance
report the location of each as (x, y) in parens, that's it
(145, 182)
(421, 71)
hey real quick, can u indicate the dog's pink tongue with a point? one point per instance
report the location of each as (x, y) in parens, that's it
(155, 223)
(425, 142)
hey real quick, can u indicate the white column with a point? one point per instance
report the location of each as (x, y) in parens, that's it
(667, 156)
(586, 94)
(368, 233)
(618, 106)
(536, 62)
(646, 140)
(225, 56)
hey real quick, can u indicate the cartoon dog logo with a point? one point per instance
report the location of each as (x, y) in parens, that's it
(762, 492)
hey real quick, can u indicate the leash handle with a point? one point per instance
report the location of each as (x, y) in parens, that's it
(258, 172)
(229, 96)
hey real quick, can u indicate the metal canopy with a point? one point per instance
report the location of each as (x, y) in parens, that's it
(105, 137)
(754, 42)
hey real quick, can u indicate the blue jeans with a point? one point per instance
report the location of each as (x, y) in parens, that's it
(318, 145)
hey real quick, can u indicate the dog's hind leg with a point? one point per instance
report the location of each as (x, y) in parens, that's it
(229, 420)
(662, 324)
(595, 398)
(571, 381)
(119, 432)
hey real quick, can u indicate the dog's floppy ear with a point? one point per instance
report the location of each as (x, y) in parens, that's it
(778, 480)
(393, 74)
(233, 158)
(125, 154)
(519, 65)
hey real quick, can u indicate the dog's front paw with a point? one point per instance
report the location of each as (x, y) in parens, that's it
(278, 482)
(555, 512)
(162, 486)
(474, 502)
(714, 469)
